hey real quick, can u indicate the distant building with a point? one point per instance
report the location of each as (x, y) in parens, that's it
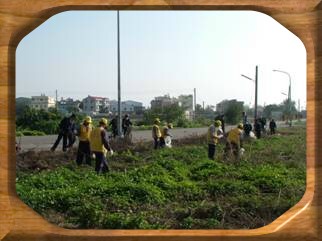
(163, 101)
(126, 106)
(68, 105)
(222, 106)
(93, 105)
(189, 114)
(186, 102)
(42, 102)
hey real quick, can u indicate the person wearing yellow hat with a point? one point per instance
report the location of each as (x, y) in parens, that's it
(156, 133)
(214, 134)
(98, 143)
(234, 142)
(166, 135)
(84, 146)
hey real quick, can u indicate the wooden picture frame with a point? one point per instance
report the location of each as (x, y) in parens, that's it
(20, 222)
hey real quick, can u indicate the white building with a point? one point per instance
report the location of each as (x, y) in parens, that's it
(68, 105)
(126, 106)
(93, 105)
(42, 102)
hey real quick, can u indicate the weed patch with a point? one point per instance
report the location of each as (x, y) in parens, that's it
(176, 188)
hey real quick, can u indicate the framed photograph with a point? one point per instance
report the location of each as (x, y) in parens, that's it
(160, 120)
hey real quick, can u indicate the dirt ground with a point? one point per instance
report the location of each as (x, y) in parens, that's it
(33, 160)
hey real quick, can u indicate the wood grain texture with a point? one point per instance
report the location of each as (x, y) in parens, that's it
(301, 222)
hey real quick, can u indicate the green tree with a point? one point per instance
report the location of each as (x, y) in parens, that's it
(171, 113)
(233, 113)
(288, 108)
(204, 114)
(267, 112)
(39, 120)
(21, 104)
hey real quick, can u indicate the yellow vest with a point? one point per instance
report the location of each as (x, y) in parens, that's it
(234, 136)
(156, 133)
(96, 140)
(84, 132)
(212, 135)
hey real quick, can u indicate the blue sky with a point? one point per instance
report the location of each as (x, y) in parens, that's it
(162, 52)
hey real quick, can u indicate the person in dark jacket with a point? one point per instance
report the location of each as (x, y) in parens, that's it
(67, 132)
(244, 116)
(113, 125)
(126, 123)
(247, 128)
(272, 126)
(263, 124)
(258, 128)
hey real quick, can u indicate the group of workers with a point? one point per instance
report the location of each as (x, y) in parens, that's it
(94, 141)
(161, 136)
(233, 139)
(234, 143)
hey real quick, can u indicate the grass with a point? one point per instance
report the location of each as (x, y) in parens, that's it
(176, 188)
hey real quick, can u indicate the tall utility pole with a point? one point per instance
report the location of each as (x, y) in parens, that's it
(119, 119)
(256, 87)
(289, 99)
(256, 92)
(298, 109)
(56, 99)
(194, 102)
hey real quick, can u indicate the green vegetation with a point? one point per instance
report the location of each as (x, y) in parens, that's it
(175, 188)
(32, 122)
(171, 113)
(26, 132)
(233, 113)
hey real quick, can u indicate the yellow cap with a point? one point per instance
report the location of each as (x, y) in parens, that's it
(88, 119)
(240, 126)
(157, 120)
(103, 121)
(217, 123)
(170, 125)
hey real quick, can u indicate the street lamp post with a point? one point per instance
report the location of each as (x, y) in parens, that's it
(119, 119)
(289, 100)
(256, 89)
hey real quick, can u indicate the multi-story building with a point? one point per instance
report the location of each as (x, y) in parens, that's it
(186, 102)
(68, 105)
(42, 102)
(93, 105)
(162, 101)
(126, 106)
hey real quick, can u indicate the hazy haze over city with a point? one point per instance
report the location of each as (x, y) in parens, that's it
(162, 52)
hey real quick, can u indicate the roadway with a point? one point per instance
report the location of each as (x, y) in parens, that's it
(45, 142)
